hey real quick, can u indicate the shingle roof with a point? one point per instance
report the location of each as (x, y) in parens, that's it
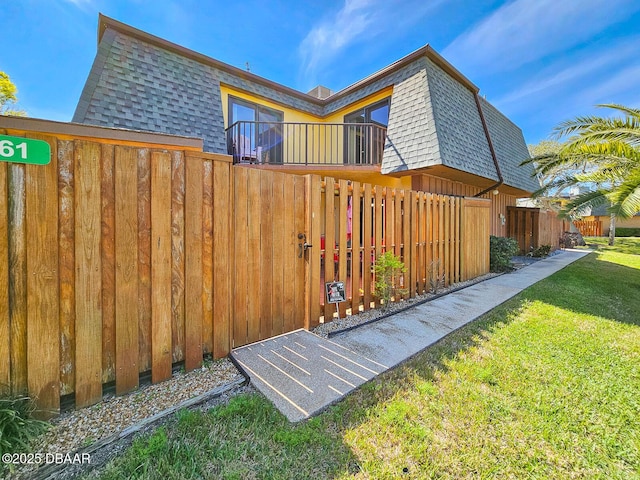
(142, 82)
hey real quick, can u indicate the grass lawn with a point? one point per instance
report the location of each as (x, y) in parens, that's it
(545, 386)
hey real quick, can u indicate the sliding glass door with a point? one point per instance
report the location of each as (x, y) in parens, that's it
(259, 133)
(363, 141)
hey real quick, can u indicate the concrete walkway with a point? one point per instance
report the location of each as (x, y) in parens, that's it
(302, 373)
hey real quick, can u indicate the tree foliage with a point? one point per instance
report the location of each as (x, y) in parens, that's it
(600, 152)
(8, 98)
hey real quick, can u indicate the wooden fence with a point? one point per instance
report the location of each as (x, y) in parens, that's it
(435, 236)
(117, 260)
(591, 228)
(533, 227)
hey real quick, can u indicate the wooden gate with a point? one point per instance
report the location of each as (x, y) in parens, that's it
(533, 228)
(269, 274)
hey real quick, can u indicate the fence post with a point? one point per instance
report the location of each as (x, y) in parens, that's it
(312, 259)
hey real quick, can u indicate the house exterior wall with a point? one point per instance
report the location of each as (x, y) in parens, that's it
(633, 222)
(443, 186)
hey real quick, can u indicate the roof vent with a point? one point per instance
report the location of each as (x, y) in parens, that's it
(320, 92)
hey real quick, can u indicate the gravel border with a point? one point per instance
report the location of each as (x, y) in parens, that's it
(116, 418)
(351, 322)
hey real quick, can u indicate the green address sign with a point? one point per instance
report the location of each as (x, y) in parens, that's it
(24, 150)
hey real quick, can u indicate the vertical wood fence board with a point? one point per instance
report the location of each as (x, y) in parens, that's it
(144, 260)
(290, 254)
(421, 225)
(377, 219)
(207, 255)
(529, 229)
(367, 230)
(329, 242)
(456, 263)
(43, 295)
(447, 240)
(397, 230)
(126, 255)
(300, 283)
(356, 256)
(224, 242)
(66, 219)
(17, 277)
(241, 270)
(413, 243)
(265, 290)
(160, 266)
(88, 288)
(254, 209)
(107, 191)
(441, 235)
(430, 233)
(312, 295)
(342, 242)
(177, 256)
(389, 219)
(406, 243)
(5, 328)
(279, 211)
(193, 262)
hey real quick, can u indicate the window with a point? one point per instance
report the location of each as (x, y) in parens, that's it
(365, 143)
(257, 131)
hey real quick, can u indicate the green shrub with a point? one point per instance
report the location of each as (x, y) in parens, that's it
(501, 251)
(17, 426)
(541, 251)
(388, 269)
(627, 232)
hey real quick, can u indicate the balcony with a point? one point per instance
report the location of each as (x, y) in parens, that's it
(291, 143)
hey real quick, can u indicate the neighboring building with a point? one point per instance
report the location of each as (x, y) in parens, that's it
(418, 123)
(603, 219)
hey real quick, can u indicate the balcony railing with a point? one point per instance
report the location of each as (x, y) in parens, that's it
(278, 143)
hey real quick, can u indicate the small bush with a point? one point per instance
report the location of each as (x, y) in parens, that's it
(541, 251)
(17, 427)
(627, 232)
(388, 269)
(501, 251)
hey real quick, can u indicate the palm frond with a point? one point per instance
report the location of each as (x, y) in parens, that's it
(580, 205)
(627, 196)
(632, 112)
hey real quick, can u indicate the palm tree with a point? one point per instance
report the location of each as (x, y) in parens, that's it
(601, 153)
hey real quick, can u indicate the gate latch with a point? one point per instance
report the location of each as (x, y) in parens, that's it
(302, 246)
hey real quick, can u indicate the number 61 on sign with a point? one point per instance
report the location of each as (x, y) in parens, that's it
(24, 150)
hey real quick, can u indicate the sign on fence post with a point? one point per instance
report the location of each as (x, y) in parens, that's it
(24, 150)
(335, 294)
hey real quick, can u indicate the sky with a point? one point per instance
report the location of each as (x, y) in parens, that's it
(538, 61)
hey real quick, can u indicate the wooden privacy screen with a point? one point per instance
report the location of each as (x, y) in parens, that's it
(117, 260)
(532, 227)
(358, 222)
(589, 228)
(108, 268)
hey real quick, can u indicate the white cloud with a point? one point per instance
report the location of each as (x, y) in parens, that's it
(567, 72)
(616, 88)
(523, 31)
(357, 21)
(82, 4)
(328, 38)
